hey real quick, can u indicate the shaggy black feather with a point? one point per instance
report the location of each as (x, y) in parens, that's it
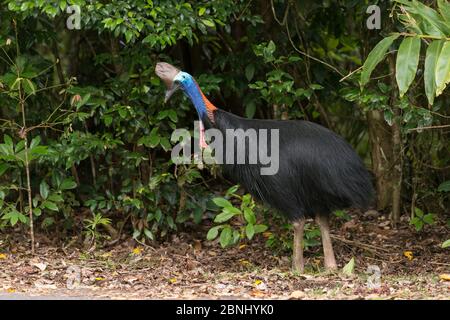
(319, 172)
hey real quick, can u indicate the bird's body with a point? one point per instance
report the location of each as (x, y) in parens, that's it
(318, 171)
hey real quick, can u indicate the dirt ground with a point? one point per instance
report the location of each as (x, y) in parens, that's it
(411, 266)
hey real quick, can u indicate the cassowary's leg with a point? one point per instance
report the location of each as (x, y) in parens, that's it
(298, 264)
(330, 261)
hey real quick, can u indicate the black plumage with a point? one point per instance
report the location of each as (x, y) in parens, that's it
(319, 172)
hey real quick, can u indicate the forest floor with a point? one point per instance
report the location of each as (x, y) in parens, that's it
(412, 265)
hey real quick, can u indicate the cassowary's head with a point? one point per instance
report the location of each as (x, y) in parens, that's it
(173, 78)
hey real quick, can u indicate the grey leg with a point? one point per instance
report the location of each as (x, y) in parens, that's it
(330, 261)
(298, 263)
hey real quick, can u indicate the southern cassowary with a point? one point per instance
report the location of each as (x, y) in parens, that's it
(318, 173)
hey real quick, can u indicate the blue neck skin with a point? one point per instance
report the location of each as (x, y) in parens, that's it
(192, 90)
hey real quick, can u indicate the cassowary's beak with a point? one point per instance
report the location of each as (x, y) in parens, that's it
(167, 73)
(170, 91)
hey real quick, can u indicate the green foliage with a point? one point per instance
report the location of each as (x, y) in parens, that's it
(91, 225)
(419, 220)
(444, 186)
(349, 268)
(98, 131)
(375, 57)
(278, 87)
(343, 215)
(407, 62)
(446, 244)
(424, 23)
(244, 215)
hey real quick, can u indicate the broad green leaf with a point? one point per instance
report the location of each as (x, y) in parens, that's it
(444, 186)
(433, 51)
(3, 168)
(35, 142)
(236, 236)
(249, 216)
(209, 23)
(233, 210)
(225, 237)
(55, 198)
(154, 138)
(232, 190)
(136, 233)
(68, 184)
(29, 87)
(224, 216)
(128, 35)
(165, 143)
(375, 57)
(432, 17)
(407, 62)
(149, 234)
(260, 228)
(349, 267)
(22, 218)
(19, 146)
(44, 189)
(446, 244)
(429, 218)
(250, 231)
(250, 71)
(389, 116)
(418, 212)
(8, 141)
(4, 150)
(443, 69)
(213, 233)
(13, 219)
(428, 14)
(172, 114)
(221, 202)
(444, 9)
(50, 205)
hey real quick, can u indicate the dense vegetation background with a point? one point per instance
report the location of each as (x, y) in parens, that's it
(85, 135)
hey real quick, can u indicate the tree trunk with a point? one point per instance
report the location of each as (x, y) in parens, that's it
(380, 137)
(397, 150)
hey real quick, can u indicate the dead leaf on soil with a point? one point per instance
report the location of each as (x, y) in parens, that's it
(297, 294)
(173, 280)
(2, 256)
(244, 262)
(257, 293)
(40, 266)
(409, 255)
(445, 276)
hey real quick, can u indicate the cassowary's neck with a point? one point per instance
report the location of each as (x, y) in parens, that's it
(203, 106)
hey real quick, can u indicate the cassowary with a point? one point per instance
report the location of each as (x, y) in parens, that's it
(318, 172)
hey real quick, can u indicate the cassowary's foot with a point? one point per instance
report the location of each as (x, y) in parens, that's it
(330, 261)
(298, 263)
